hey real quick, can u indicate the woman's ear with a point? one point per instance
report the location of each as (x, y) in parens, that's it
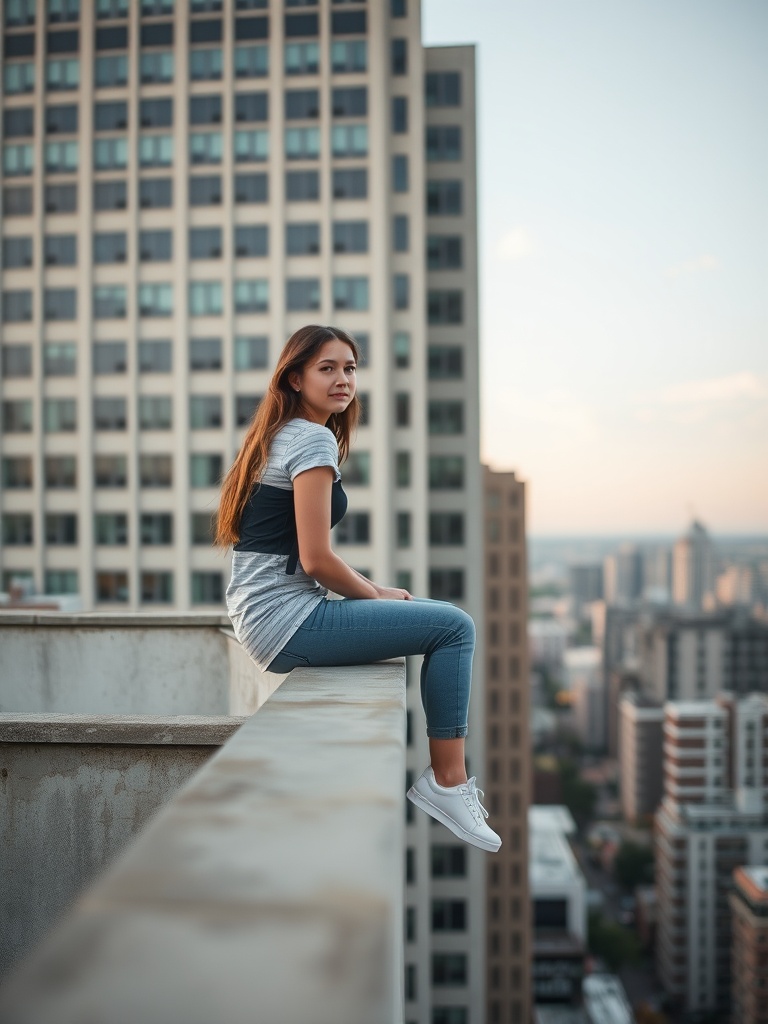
(295, 381)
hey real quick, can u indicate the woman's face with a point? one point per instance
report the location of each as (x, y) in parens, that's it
(327, 382)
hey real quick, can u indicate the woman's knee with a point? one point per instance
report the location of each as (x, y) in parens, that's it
(462, 622)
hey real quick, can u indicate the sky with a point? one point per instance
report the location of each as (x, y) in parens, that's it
(623, 222)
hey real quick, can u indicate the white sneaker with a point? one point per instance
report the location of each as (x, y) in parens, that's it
(457, 807)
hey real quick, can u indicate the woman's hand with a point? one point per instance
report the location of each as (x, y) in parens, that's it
(392, 594)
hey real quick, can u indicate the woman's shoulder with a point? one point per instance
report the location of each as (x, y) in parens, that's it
(301, 428)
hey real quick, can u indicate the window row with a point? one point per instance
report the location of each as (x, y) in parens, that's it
(112, 586)
(60, 472)
(154, 412)
(109, 528)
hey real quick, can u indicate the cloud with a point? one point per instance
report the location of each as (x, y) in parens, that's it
(700, 264)
(516, 244)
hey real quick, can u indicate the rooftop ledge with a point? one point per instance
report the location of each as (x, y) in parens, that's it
(270, 885)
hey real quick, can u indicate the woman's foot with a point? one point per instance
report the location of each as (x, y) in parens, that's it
(457, 807)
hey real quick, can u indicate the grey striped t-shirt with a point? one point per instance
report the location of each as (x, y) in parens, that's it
(265, 604)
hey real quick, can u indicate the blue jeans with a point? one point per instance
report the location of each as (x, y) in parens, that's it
(357, 632)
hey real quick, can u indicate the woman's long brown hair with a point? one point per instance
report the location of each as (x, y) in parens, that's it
(280, 404)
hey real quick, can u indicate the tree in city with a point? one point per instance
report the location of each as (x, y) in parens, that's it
(579, 796)
(634, 865)
(615, 944)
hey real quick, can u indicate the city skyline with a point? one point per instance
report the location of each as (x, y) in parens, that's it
(622, 259)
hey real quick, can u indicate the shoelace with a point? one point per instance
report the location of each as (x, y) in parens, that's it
(472, 795)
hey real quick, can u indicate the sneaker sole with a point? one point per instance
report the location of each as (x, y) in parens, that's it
(416, 798)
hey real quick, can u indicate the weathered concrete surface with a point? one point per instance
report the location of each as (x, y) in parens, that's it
(126, 730)
(248, 687)
(269, 889)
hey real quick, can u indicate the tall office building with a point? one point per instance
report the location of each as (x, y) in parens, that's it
(508, 757)
(183, 185)
(694, 568)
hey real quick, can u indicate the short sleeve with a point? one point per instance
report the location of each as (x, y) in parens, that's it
(313, 447)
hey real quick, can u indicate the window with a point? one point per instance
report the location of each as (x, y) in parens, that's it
(403, 529)
(17, 472)
(205, 469)
(17, 252)
(157, 66)
(364, 399)
(446, 584)
(17, 529)
(109, 117)
(156, 528)
(205, 109)
(60, 359)
(155, 412)
(205, 65)
(445, 307)
(251, 188)
(60, 304)
(446, 472)
(399, 115)
(444, 197)
(109, 247)
(403, 469)
(251, 240)
(449, 915)
(205, 190)
(113, 38)
(18, 122)
(443, 89)
(205, 298)
(19, 12)
(157, 150)
(364, 345)
(61, 157)
(401, 349)
(446, 417)
(155, 356)
(17, 160)
(155, 300)
(204, 243)
(17, 416)
(17, 306)
(445, 362)
(444, 252)
(109, 357)
(302, 293)
(350, 236)
(58, 119)
(245, 407)
(157, 588)
(112, 587)
(111, 9)
(205, 412)
(207, 588)
(60, 250)
(446, 529)
(61, 75)
(252, 146)
(59, 415)
(251, 61)
(302, 104)
(354, 528)
(157, 34)
(60, 472)
(109, 302)
(349, 23)
(156, 8)
(301, 25)
(205, 147)
(110, 195)
(17, 201)
(302, 143)
(156, 114)
(449, 969)
(302, 239)
(63, 10)
(443, 142)
(155, 470)
(350, 293)
(155, 246)
(251, 296)
(251, 352)
(110, 470)
(205, 354)
(110, 153)
(302, 58)
(349, 55)
(16, 360)
(111, 71)
(251, 106)
(60, 528)
(155, 193)
(19, 77)
(109, 413)
(349, 140)
(208, 31)
(111, 529)
(401, 286)
(61, 581)
(61, 198)
(401, 233)
(350, 184)
(201, 528)
(357, 469)
(251, 28)
(449, 861)
(402, 409)
(350, 102)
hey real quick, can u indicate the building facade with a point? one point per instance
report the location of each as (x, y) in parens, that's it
(508, 752)
(640, 757)
(183, 185)
(749, 963)
(694, 568)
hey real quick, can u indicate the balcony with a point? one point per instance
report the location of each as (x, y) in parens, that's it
(168, 854)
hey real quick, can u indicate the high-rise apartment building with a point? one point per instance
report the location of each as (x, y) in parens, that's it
(508, 754)
(713, 819)
(183, 185)
(749, 962)
(640, 751)
(694, 568)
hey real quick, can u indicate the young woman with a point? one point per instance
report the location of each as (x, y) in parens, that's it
(279, 501)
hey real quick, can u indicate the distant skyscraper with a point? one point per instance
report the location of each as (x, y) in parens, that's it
(586, 585)
(623, 575)
(693, 568)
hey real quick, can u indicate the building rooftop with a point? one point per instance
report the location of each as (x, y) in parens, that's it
(759, 878)
(551, 860)
(605, 1000)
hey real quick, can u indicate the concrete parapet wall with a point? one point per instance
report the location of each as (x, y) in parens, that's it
(269, 888)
